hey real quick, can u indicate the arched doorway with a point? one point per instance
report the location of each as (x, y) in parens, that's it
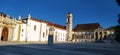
(105, 35)
(100, 35)
(4, 36)
(96, 35)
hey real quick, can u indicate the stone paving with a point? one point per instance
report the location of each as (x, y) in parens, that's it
(37, 48)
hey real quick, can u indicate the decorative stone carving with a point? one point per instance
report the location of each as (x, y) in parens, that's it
(51, 30)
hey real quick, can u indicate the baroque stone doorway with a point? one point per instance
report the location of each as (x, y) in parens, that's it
(4, 36)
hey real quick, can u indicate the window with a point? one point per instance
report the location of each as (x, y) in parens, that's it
(34, 27)
(46, 32)
(43, 35)
(22, 30)
(68, 20)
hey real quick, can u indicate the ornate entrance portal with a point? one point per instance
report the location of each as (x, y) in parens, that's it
(4, 36)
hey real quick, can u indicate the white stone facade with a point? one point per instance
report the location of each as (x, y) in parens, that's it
(29, 29)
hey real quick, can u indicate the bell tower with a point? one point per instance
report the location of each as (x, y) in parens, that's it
(69, 26)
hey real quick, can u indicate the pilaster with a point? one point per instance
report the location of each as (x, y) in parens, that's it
(19, 31)
(0, 31)
(98, 35)
(94, 35)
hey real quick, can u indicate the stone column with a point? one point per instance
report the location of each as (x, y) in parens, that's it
(19, 32)
(98, 35)
(54, 35)
(94, 35)
(103, 34)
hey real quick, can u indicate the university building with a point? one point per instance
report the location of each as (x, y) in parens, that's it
(32, 29)
(89, 32)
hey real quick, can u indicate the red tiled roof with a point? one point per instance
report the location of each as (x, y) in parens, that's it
(60, 26)
(87, 27)
(56, 25)
(112, 28)
(49, 23)
(38, 20)
(35, 19)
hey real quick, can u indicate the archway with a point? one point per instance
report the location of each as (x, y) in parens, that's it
(96, 35)
(100, 35)
(4, 36)
(105, 35)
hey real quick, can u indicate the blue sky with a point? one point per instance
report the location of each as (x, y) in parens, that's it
(84, 11)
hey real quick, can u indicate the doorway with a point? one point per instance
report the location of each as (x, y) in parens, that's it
(96, 35)
(4, 36)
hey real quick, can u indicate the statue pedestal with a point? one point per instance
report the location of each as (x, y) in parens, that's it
(50, 40)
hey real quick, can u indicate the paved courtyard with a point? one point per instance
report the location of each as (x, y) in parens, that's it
(36, 48)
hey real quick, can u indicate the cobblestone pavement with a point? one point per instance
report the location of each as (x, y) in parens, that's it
(37, 48)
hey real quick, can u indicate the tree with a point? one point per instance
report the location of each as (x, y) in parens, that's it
(119, 19)
(117, 30)
(118, 1)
